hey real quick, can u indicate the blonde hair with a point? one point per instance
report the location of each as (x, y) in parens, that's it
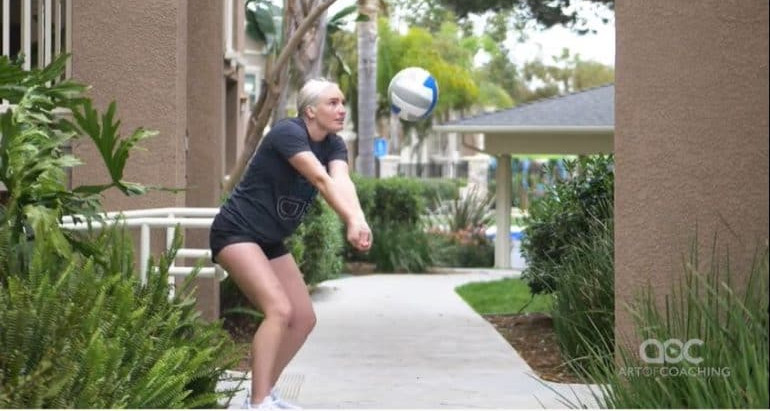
(310, 92)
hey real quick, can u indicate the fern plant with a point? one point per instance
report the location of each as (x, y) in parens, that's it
(76, 334)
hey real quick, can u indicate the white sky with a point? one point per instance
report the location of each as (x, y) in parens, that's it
(544, 44)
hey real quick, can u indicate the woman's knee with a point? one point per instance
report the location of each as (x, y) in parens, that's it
(281, 312)
(304, 320)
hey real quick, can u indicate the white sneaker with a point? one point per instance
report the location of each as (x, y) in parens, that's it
(267, 404)
(280, 403)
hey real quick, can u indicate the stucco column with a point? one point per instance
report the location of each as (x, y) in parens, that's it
(503, 211)
(691, 142)
(478, 172)
(389, 166)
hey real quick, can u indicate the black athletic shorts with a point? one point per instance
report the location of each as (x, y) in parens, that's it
(224, 233)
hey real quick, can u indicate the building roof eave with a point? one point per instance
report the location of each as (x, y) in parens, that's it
(516, 129)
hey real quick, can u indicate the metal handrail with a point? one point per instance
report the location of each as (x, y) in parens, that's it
(146, 219)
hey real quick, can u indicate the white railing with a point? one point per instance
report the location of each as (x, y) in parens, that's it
(169, 219)
(46, 25)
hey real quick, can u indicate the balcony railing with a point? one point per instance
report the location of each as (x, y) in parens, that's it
(37, 29)
(163, 218)
(434, 170)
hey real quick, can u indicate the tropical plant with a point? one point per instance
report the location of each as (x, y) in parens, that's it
(472, 211)
(77, 329)
(459, 228)
(33, 158)
(264, 23)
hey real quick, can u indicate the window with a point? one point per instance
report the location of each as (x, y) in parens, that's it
(250, 87)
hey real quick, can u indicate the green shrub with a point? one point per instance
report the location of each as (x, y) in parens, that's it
(434, 190)
(394, 209)
(557, 219)
(76, 330)
(731, 322)
(401, 248)
(318, 244)
(461, 249)
(395, 200)
(77, 334)
(584, 304)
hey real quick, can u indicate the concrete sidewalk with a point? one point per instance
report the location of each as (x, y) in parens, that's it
(409, 341)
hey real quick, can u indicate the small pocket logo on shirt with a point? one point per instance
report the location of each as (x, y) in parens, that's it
(290, 208)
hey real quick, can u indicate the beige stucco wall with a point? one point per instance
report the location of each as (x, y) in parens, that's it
(206, 126)
(134, 52)
(691, 137)
(206, 103)
(163, 63)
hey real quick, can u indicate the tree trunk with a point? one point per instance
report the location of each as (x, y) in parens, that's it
(308, 58)
(367, 86)
(275, 79)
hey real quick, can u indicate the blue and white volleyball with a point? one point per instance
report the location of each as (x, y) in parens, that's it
(413, 93)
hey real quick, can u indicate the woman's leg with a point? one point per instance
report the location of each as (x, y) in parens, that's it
(302, 318)
(252, 272)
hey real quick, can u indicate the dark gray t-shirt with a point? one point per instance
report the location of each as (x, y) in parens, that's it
(272, 197)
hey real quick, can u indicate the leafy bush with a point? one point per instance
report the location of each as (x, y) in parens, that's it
(462, 249)
(393, 208)
(435, 190)
(557, 220)
(391, 200)
(318, 243)
(129, 346)
(584, 304)
(732, 323)
(76, 330)
(401, 248)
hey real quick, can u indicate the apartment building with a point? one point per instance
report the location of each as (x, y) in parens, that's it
(174, 66)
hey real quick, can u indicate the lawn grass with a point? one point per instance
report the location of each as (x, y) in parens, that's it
(506, 296)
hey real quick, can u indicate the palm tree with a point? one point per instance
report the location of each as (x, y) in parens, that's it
(367, 84)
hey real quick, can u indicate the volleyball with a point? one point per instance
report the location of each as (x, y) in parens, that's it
(413, 93)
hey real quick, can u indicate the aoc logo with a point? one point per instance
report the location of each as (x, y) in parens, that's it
(671, 351)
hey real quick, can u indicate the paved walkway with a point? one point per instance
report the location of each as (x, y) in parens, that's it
(409, 341)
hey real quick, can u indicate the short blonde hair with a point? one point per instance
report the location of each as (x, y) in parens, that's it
(310, 92)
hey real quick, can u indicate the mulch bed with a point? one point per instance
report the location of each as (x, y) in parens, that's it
(533, 337)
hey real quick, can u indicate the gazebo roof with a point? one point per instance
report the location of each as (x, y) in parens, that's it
(592, 108)
(578, 123)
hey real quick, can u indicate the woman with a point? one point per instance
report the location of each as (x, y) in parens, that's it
(297, 159)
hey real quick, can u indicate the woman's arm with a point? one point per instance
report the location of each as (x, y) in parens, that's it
(338, 190)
